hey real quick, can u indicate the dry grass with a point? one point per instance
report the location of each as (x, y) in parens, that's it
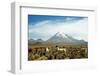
(38, 52)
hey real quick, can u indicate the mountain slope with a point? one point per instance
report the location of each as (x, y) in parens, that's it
(64, 38)
(58, 38)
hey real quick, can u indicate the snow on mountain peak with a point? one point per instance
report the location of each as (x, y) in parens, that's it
(61, 34)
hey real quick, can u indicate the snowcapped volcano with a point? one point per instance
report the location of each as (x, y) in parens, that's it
(63, 38)
(60, 34)
(59, 38)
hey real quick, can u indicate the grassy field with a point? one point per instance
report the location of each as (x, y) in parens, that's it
(56, 51)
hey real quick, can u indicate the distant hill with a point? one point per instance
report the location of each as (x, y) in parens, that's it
(58, 38)
(38, 41)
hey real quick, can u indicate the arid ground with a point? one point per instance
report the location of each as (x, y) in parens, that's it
(56, 51)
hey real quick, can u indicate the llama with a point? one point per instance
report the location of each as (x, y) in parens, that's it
(61, 48)
(47, 49)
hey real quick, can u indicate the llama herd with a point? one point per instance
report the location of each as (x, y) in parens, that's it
(57, 52)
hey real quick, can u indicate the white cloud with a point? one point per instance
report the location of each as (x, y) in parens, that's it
(46, 29)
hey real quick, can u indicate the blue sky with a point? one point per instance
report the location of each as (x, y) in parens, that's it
(43, 26)
(33, 19)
